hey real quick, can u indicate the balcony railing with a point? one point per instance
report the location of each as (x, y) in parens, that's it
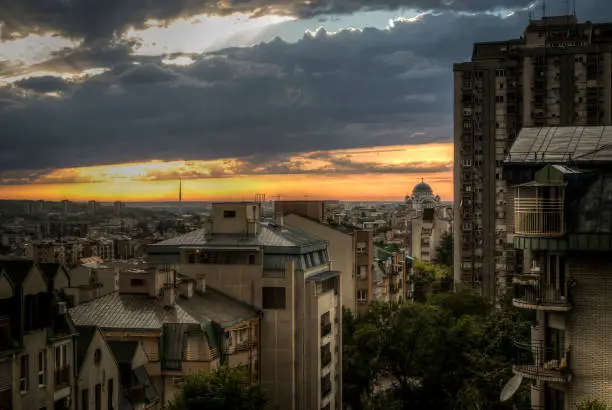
(326, 329)
(534, 292)
(326, 388)
(62, 377)
(326, 359)
(538, 216)
(538, 361)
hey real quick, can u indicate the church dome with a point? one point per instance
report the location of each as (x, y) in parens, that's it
(421, 188)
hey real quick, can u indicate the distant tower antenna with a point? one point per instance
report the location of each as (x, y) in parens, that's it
(180, 195)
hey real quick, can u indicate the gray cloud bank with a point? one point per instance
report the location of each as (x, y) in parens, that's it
(92, 20)
(349, 90)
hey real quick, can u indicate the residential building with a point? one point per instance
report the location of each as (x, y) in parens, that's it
(316, 210)
(92, 207)
(183, 325)
(36, 337)
(562, 220)
(557, 74)
(67, 252)
(342, 249)
(137, 389)
(97, 383)
(428, 227)
(284, 272)
(119, 208)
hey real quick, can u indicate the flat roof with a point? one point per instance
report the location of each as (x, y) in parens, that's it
(562, 145)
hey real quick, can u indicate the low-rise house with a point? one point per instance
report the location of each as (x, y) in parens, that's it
(182, 325)
(97, 380)
(137, 389)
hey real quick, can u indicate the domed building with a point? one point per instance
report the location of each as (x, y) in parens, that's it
(422, 197)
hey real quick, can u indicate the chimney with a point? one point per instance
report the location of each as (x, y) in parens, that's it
(280, 219)
(186, 288)
(169, 296)
(201, 282)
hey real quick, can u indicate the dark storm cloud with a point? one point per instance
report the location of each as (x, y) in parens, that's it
(92, 20)
(266, 102)
(46, 84)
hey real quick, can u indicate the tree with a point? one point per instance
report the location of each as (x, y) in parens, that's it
(453, 352)
(429, 278)
(591, 405)
(444, 251)
(222, 389)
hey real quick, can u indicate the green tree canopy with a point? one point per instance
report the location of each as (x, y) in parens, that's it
(222, 389)
(444, 251)
(452, 352)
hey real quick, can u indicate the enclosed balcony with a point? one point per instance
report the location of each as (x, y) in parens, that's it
(541, 361)
(538, 210)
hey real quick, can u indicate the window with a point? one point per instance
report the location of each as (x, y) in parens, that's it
(137, 282)
(98, 397)
(23, 374)
(273, 297)
(251, 259)
(499, 98)
(363, 271)
(42, 368)
(467, 125)
(229, 214)
(84, 399)
(362, 295)
(61, 356)
(111, 392)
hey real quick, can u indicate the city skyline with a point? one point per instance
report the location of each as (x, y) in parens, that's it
(385, 174)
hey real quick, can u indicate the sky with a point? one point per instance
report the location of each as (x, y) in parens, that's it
(321, 99)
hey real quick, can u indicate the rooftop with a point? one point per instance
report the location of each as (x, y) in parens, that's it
(133, 311)
(270, 234)
(562, 145)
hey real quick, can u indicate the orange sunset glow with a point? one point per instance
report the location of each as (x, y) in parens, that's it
(382, 173)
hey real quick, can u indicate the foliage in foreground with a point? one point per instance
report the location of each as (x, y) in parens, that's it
(453, 352)
(592, 405)
(222, 389)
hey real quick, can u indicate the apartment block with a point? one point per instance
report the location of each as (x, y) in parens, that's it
(562, 224)
(285, 274)
(37, 338)
(184, 326)
(428, 228)
(557, 74)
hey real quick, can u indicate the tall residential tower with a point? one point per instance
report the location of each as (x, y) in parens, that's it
(559, 73)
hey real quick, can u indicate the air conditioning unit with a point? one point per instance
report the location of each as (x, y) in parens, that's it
(62, 308)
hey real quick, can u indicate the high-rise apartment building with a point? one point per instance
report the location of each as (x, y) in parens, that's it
(559, 73)
(562, 223)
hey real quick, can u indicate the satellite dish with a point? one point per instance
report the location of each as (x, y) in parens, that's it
(511, 388)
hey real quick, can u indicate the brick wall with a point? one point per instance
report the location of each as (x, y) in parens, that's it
(589, 328)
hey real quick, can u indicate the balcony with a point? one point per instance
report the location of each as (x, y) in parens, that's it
(538, 211)
(532, 291)
(326, 329)
(62, 378)
(538, 361)
(137, 394)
